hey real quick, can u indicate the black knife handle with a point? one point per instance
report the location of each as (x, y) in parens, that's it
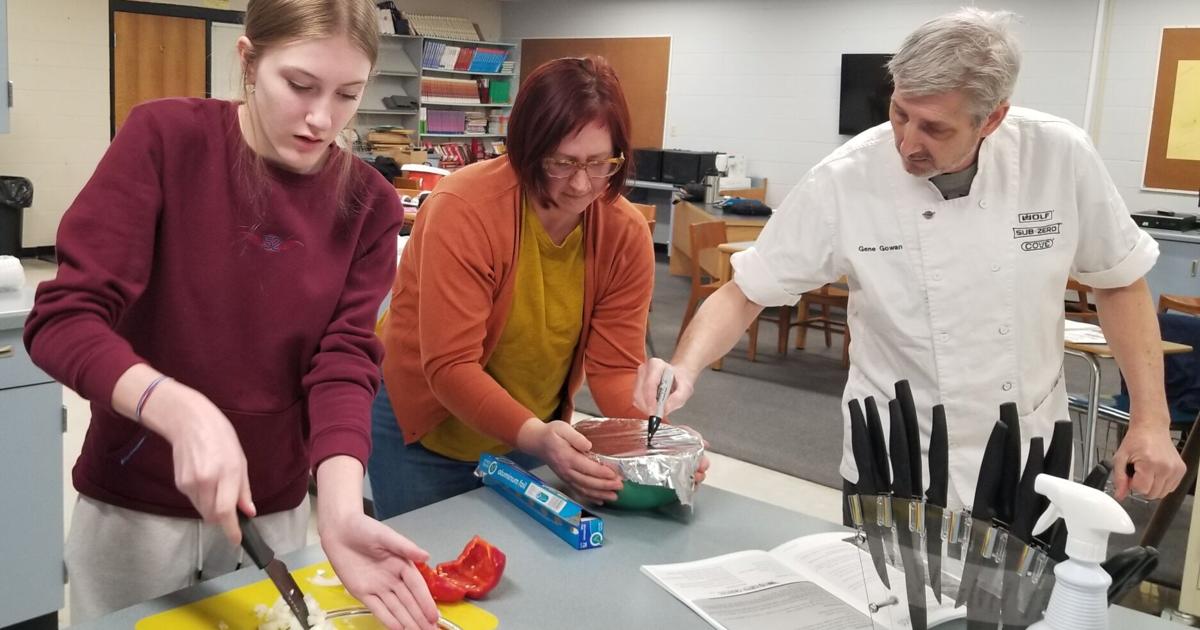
(1058, 452)
(860, 443)
(898, 451)
(908, 410)
(1025, 515)
(989, 474)
(1010, 472)
(879, 447)
(252, 541)
(939, 458)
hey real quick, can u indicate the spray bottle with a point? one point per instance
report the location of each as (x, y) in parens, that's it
(1079, 600)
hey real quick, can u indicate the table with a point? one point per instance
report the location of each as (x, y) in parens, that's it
(1092, 353)
(738, 228)
(546, 581)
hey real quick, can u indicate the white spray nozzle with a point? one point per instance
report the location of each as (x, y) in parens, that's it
(1090, 514)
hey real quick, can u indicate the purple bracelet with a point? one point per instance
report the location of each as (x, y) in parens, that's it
(137, 412)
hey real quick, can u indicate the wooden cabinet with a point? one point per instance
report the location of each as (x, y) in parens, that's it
(738, 228)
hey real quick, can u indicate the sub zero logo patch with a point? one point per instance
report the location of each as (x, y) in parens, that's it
(1039, 230)
(1034, 217)
(1035, 246)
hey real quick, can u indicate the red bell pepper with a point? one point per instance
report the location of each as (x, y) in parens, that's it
(473, 574)
(441, 588)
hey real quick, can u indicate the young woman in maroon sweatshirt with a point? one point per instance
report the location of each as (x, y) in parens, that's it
(218, 281)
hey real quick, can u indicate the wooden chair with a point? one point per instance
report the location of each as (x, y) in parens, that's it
(826, 297)
(648, 212)
(1189, 304)
(1080, 309)
(704, 237)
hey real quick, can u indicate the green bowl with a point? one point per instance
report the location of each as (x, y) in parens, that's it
(636, 496)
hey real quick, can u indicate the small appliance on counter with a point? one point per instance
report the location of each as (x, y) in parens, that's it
(1165, 220)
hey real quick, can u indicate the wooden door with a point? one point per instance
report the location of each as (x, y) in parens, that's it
(156, 56)
(641, 64)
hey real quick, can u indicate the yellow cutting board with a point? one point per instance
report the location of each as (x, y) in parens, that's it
(236, 608)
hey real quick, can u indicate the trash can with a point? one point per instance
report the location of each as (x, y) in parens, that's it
(16, 194)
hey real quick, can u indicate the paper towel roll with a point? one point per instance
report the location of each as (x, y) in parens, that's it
(12, 275)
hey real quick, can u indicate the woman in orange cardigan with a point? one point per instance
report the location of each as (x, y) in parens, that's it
(523, 274)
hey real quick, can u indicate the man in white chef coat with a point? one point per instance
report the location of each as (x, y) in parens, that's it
(957, 226)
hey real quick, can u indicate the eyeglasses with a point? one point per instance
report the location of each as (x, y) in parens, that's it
(564, 168)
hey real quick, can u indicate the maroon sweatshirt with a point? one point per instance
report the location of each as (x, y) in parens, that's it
(267, 308)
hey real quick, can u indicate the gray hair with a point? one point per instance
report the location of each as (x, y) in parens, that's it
(970, 50)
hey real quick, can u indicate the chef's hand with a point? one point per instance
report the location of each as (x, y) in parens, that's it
(1157, 466)
(210, 467)
(374, 562)
(645, 388)
(565, 451)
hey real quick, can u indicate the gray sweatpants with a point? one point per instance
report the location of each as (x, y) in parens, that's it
(118, 557)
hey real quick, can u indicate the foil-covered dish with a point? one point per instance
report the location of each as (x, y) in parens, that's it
(669, 462)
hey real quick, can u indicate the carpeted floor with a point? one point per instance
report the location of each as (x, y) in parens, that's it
(783, 412)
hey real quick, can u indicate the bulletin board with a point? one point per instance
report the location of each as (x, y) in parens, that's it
(1173, 154)
(641, 64)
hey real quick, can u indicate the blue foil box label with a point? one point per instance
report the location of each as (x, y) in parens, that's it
(553, 509)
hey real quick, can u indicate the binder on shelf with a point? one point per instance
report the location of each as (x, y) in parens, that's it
(498, 92)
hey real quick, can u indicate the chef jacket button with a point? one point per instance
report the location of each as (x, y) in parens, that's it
(937, 275)
(995, 266)
(928, 214)
(1004, 330)
(944, 336)
(1006, 386)
(983, 203)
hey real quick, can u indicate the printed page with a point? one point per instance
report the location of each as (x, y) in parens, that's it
(834, 563)
(752, 590)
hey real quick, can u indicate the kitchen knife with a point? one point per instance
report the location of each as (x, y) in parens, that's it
(864, 459)
(879, 447)
(939, 481)
(1020, 535)
(1010, 471)
(264, 557)
(914, 576)
(1058, 464)
(982, 509)
(908, 410)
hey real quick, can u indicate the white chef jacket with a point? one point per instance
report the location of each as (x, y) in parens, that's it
(962, 297)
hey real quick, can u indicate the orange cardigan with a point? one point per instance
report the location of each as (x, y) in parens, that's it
(454, 289)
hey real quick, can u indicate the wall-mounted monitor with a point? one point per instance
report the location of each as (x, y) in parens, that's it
(866, 91)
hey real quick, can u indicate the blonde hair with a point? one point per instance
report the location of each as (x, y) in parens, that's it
(272, 23)
(971, 50)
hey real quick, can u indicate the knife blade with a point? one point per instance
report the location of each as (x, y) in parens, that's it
(982, 509)
(914, 576)
(939, 481)
(864, 459)
(264, 558)
(908, 411)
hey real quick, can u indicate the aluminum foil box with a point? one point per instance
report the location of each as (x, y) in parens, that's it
(556, 511)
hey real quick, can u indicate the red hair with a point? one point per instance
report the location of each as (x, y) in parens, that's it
(555, 101)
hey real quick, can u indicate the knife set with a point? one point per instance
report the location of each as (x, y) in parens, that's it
(982, 563)
(985, 559)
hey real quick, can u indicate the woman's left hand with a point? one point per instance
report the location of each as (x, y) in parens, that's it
(376, 565)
